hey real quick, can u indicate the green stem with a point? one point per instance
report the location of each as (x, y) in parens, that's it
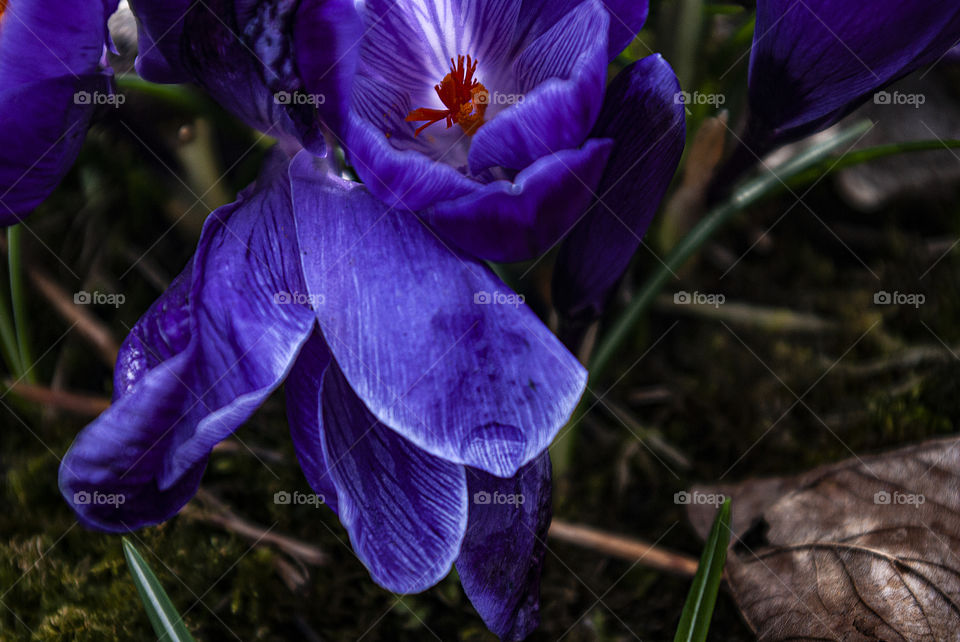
(8, 338)
(19, 303)
(181, 97)
(622, 329)
(687, 40)
(747, 195)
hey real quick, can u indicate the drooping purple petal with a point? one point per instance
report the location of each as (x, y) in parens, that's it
(303, 392)
(647, 123)
(626, 20)
(559, 81)
(518, 220)
(405, 510)
(433, 343)
(815, 61)
(196, 366)
(502, 553)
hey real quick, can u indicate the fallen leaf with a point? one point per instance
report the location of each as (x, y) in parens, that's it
(867, 549)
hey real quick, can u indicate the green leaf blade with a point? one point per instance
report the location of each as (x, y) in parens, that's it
(167, 622)
(698, 609)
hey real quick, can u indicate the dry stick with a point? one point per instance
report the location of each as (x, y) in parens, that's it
(85, 405)
(629, 549)
(88, 325)
(220, 515)
(92, 329)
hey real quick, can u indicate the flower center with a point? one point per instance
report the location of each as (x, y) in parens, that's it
(465, 100)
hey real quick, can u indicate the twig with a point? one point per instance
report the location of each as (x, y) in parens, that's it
(744, 314)
(628, 549)
(88, 325)
(219, 514)
(653, 437)
(92, 329)
(85, 405)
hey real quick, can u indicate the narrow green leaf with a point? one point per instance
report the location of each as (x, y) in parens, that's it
(698, 610)
(167, 623)
(18, 298)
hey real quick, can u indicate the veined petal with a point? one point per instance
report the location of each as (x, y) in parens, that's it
(427, 337)
(647, 123)
(405, 510)
(182, 391)
(303, 393)
(559, 80)
(409, 43)
(502, 553)
(815, 61)
(626, 20)
(517, 220)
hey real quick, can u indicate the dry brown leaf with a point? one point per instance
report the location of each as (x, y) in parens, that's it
(867, 549)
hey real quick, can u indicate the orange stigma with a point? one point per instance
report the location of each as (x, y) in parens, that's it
(465, 100)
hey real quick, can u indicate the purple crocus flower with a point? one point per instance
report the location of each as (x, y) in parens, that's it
(490, 119)
(815, 61)
(413, 393)
(52, 75)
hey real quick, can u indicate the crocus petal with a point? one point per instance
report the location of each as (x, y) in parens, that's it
(815, 61)
(176, 398)
(50, 71)
(647, 124)
(50, 39)
(560, 78)
(423, 333)
(161, 27)
(326, 47)
(405, 510)
(502, 553)
(402, 178)
(409, 44)
(42, 128)
(303, 392)
(247, 66)
(626, 20)
(517, 220)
